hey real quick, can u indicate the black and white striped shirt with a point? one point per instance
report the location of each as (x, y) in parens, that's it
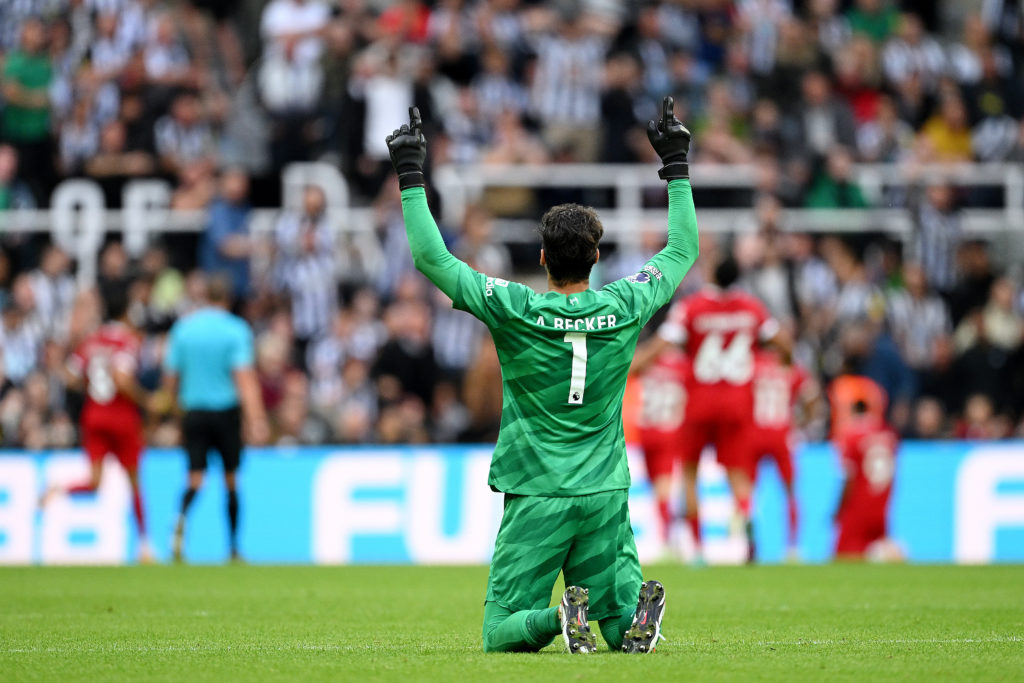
(54, 297)
(497, 94)
(308, 276)
(311, 284)
(900, 60)
(109, 55)
(858, 300)
(934, 243)
(185, 144)
(916, 325)
(568, 79)
(995, 138)
(455, 337)
(14, 12)
(764, 18)
(325, 360)
(965, 63)
(19, 348)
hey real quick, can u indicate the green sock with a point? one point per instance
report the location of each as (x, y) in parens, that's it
(523, 631)
(545, 623)
(614, 629)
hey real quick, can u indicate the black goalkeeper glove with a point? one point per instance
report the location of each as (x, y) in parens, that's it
(408, 150)
(671, 140)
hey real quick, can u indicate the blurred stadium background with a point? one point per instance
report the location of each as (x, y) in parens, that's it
(861, 159)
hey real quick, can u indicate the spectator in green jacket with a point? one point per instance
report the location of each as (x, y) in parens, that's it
(833, 186)
(876, 19)
(25, 122)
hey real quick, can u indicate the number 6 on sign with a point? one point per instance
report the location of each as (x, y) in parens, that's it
(579, 366)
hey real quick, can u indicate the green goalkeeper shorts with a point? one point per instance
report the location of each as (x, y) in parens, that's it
(589, 538)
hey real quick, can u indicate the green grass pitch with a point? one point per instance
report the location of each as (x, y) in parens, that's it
(848, 622)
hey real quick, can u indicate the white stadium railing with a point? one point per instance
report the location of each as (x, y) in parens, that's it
(462, 185)
(78, 219)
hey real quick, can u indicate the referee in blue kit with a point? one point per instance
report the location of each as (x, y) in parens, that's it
(208, 366)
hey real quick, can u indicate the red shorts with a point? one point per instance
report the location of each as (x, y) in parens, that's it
(776, 445)
(118, 434)
(661, 450)
(729, 437)
(859, 530)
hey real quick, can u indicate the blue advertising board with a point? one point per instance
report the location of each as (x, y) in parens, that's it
(952, 502)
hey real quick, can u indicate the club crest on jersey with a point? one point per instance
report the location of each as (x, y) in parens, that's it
(639, 278)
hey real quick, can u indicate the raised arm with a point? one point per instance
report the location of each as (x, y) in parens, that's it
(681, 250)
(666, 269)
(408, 150)
(671, 140)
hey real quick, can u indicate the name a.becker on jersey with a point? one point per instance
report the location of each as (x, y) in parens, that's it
(598, 322)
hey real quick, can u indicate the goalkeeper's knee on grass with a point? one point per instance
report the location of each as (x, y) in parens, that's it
(533, 630)
(523, 631)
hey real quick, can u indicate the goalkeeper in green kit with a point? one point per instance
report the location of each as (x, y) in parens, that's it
(560, 459)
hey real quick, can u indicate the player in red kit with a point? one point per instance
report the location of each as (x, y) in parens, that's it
(104, 366)
(867, 451)
(662, 406)
(777, 389)
(719, 330)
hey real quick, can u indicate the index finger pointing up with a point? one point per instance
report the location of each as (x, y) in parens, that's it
(414, 118)
(667, 113)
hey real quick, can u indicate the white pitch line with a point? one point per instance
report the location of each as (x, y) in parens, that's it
(143, 649)
(310, 647)
(895, 641)
(828, 641)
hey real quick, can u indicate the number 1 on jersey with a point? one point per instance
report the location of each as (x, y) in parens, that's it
(579, 366)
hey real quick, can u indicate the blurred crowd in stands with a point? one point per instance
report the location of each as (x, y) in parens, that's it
(217, 96)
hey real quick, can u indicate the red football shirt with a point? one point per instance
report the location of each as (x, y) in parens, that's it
(776, 388)
(663, 396)
(719, 330)
(868, 454)
(113, 347)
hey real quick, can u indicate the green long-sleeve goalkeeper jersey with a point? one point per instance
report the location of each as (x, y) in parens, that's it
(564, 358)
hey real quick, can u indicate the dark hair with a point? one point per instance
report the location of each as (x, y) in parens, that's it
(219, 290)
(727, 272)
(115, 302)
(569, 234)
